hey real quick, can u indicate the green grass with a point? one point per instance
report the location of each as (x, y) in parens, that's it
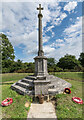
(14, 76)
(17, 109)
(66, 108)
(78, 76)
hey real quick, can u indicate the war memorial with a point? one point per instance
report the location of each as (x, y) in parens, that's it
(41, 81)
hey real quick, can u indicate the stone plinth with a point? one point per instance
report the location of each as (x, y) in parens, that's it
(41, 86)
(41, 66)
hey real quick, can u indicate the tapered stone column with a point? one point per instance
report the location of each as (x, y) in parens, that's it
(40, 52)
(41, 83)
(40, 60)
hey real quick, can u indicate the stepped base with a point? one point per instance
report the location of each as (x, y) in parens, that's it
(33, 86)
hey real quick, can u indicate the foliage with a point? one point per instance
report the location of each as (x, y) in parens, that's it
(81, 59)
(51, 62)
(78, 68)
(68, 62)
(6, 48)
(7, 53)
(18, 66)
(57, 69)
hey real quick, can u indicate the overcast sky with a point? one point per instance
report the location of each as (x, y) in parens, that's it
(62, 28)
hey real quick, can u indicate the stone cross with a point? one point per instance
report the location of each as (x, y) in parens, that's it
(40, 51)
(39, 8)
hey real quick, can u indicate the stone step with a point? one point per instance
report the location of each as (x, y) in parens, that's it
(30, 93)
(31, 77)
(50, 86)
(27, 81)
(25, 85)
(62, 85)
(41, 77)
(55, 91)
(18, 89)
(22, 90)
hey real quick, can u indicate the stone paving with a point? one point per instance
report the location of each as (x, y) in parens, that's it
(45, 110)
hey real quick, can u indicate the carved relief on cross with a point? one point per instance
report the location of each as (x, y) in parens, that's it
(39, 8)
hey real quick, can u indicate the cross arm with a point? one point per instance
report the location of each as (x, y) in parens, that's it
(39, 8)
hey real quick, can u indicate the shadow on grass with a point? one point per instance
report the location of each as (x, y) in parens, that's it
(6, 83)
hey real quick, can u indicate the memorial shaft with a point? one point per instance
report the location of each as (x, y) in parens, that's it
(40, 51)
(40, 33)
(40, 60)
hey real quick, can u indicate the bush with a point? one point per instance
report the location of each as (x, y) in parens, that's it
(78, 68)
(50, 69)
(58, 69)
(20, 71)
(72, 70)
(82, 69)
(5, 70)
(66, 70)
(29, 71)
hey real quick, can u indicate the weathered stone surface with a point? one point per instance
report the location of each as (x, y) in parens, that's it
(41, 86)
(45, 110)
(24, 86)
(41, 66)
(52, 85)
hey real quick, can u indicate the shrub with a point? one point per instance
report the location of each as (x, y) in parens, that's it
(78, 68)
(58, 69)
(66, 70)
(5, 70)
(20, 71)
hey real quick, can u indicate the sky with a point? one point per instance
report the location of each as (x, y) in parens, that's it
(61, 25)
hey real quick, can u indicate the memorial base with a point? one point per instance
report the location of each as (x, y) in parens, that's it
(41, 87)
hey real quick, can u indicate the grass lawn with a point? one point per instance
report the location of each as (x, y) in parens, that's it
(65, 107)
(78, 76)
(17, 109)
(14, 76)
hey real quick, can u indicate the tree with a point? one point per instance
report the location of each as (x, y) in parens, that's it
(6, 48)
(51, 61)
(68, 62)
(81, 59)
(7, 51)
(51, 64)
(18, 64)
(31, 67)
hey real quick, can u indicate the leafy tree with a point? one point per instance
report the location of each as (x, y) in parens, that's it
(81, 59)
(51, 61)
(30, 67)
(7, 51)
(57, 69)
(68, 62)
(20, 67)
(6, 48)
(19, 64)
